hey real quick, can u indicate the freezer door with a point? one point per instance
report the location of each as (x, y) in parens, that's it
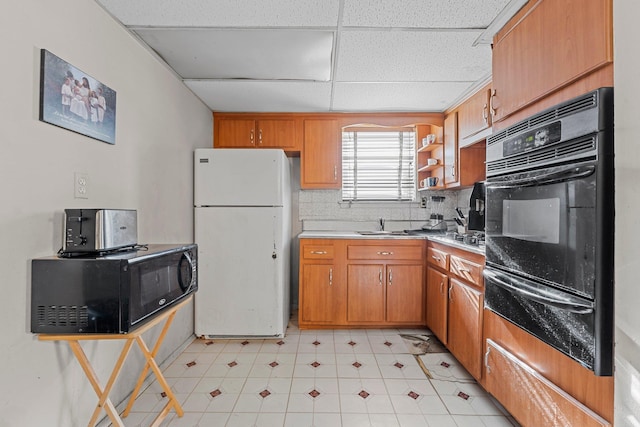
(240, 177)
(243, 276)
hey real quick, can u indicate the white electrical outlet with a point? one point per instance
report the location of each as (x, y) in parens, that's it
(81, 185)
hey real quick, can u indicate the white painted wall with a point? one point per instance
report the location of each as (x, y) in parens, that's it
(159, 123)
(627, 123)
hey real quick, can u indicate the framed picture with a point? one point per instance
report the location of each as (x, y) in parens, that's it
(72, 99)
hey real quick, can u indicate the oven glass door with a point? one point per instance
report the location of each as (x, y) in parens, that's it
(542, 224)
(562, 320)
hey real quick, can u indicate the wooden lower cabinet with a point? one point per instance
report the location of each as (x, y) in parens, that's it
(539, 385)
(464, 336)
(322, 299)
(365, 293)
(363, 283)
(437, 303)
(532, 399)
(405, 294)
(455, 301)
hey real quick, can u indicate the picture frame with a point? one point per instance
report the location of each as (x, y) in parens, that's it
(74, 100)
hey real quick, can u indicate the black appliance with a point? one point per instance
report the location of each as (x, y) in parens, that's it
(549, 227)
(475, 219)
(113, 293)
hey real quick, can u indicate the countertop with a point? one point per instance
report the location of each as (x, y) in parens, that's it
(355, 235)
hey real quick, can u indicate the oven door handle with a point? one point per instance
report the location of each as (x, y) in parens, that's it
(566, 174)
(530, 293)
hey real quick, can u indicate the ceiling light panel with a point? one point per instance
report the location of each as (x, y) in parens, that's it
(256, 96)
(224, 13)
(398, 56)
(421, 13)
(422, 96)
(244, 54)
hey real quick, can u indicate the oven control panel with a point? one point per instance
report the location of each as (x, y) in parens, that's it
(546, 135)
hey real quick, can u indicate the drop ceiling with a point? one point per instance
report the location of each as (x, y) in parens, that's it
(320, 56)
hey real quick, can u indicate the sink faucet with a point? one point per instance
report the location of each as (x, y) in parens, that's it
(381, 224)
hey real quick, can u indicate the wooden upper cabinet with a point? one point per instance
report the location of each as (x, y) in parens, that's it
(473, 114)
(255, 131)
(451, 148)
(321, 157)
(280, 133)
(547, 46)
(235, 133)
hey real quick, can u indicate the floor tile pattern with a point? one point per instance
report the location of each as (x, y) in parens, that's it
(350, 378)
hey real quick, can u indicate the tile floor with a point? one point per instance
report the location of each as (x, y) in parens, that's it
(330, 378)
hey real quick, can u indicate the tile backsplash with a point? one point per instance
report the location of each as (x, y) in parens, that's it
(325, 210)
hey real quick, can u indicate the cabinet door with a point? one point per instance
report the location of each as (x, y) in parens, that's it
(405, 293)
(366, 293)
(276, 133)
(437, 288)
(451, 149)
(321, 155)
(555, 44)
(236, 133)
(465, 326)
(320, 300)
(473, 114)
(531, 398)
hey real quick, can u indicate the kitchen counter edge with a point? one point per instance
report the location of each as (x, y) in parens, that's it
(356, 236)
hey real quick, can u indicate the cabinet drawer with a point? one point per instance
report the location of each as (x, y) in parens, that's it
(438, 258)
(467, 270)
(530, 397)
(384, 252)
(317, 251)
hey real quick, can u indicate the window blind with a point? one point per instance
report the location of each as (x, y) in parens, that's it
(378, 165)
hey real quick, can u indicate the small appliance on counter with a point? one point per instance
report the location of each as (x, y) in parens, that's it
(476, 218)
(436, 218)
(98, 231)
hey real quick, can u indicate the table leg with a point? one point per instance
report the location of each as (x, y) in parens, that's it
(103, 395)
(143, 374)
(173, 401)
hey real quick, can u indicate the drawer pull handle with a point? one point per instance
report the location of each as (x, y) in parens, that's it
(390, 277)
(319, 252)
(437, 258)
(384, 253)
(486, 360)
(380, 277)
(451, 293)
(464, 270)
(260, 137)
(251, 137)
(330, 276)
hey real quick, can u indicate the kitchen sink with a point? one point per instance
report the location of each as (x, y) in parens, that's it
(382, 233)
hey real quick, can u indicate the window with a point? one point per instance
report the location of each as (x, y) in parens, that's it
(378, 164)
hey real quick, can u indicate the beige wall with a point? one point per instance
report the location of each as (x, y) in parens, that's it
(159, 123)
(627, 123)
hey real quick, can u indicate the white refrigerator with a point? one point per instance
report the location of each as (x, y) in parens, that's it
(243, 230)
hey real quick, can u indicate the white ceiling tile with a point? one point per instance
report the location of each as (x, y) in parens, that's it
(396, 56)
(424, 96)
(224, 13)
(255, 96)
(248, 54)
(421, 13)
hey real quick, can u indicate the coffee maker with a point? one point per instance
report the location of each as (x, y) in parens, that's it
(476, 207)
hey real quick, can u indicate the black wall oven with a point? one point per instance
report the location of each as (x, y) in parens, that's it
(549, 227)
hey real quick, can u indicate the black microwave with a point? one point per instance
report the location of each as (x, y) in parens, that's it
(112, 293)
